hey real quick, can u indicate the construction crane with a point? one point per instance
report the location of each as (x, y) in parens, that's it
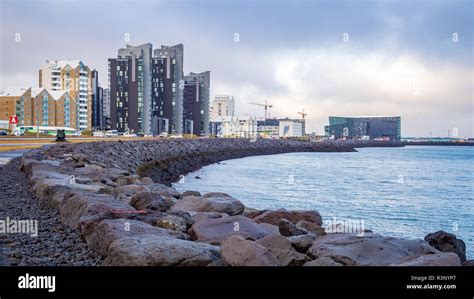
(266, 105)
(303, 115)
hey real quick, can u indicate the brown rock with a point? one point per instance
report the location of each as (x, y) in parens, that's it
(146, 180)
(446, 242)
(288, 229)
(214, 231)
(109, 230)
(237, 251)
(274, 216)
(222, 204)
(282, 250)
(77, 204)
(149, 201)
(311, 227)
(369, 250)
(198, 216)
(189, 193)
(301, 243)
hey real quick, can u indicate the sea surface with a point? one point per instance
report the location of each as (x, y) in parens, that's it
(405, 192)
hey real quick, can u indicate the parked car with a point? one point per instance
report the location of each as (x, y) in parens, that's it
(112, 133)
(3, 133)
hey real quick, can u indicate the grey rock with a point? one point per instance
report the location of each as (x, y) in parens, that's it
(369, 250)
(152, 250)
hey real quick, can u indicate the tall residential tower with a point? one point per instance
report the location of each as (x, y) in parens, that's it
(74, 77)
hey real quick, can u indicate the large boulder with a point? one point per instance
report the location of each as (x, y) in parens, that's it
(218, 203)
(153, 250)
(274, 216)
(446, 242)
(109, 230)
(214, 231)
(149, 201)
(369, 250)
(282, 250)
(237, 251)
(442, 259)
(77, 204)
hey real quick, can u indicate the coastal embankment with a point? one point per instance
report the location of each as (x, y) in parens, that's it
(117, 196)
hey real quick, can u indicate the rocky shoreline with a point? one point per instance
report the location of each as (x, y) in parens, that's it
(117, 197)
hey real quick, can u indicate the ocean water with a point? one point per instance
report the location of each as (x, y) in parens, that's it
(405, 192)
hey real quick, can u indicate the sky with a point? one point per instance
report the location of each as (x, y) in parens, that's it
(412, 59)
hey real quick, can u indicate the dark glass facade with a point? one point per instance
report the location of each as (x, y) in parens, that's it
(388, 128)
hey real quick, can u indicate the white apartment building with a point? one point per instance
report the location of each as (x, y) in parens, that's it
(223, 105)
(74, 77)
(290, 128)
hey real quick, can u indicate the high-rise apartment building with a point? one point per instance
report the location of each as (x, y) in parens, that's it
(167, 90)
(223, 105)
(106, 107)
(74, 77)
(97, 102)
(196, 103)
(130, 89)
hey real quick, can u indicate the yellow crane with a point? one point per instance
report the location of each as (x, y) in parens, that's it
(266, 105)
(303, 115)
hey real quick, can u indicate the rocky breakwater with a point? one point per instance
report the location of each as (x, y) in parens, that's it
(132, 219)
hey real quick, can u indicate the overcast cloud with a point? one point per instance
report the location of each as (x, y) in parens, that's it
(399, 58)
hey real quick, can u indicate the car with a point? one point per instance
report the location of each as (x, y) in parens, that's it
(3, 133)
(163, 134)
(112, 133)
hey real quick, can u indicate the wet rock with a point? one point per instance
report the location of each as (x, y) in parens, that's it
(149, 201)
(152, 250)
(446, 242)
(282, 250)
(237, 251)
(369, 250)
(435, 260)
(288, 229)
(323, 261)
(293, 216)
(214, 231)
(221, 204)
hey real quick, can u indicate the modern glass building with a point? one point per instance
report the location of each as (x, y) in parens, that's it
(370, 127)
